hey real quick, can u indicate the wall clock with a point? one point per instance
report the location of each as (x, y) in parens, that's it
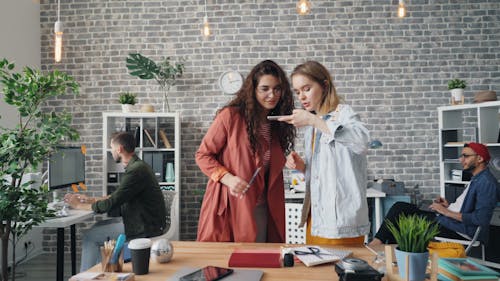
(230, 81)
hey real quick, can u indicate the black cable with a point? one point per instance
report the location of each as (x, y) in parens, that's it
(27, 251)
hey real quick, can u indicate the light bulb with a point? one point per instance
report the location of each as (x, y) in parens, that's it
(58, 41)
(303, 7)
(401, 9)
(206, 28)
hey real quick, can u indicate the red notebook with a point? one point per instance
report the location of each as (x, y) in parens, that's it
(255, 258)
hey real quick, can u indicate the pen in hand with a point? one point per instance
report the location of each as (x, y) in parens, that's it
(250, 182)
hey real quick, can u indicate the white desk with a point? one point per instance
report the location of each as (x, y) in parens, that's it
(370, 193)
(75, 216)
(376, 194)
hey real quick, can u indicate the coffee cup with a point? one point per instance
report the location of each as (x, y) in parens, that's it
(139, 253)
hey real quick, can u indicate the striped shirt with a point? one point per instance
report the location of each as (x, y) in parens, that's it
(265, 134)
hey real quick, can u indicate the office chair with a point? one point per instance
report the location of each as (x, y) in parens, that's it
(171, 202)
(469, 243)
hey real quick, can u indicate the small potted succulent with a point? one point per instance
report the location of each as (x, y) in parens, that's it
(128, 100)
(457, 86)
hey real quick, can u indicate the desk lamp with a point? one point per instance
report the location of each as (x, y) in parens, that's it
(375, 144)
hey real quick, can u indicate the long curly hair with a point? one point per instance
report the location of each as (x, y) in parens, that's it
(249, 107)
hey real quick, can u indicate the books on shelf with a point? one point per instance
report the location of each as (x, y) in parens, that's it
(314, 255)
(269, 258)
(462, 269)
(164, 138)
(137, 136)
(150, 138)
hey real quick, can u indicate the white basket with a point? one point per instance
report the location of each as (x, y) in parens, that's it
(294, 234)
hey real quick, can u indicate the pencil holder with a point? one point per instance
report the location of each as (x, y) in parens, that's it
(106, 259)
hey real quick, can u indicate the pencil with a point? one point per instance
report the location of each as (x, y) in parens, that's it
(371, 250)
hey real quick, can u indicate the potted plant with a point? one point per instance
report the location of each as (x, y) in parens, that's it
(457, 86)
(128, 100)
(25, 147)
(413, 234)
(164, 73)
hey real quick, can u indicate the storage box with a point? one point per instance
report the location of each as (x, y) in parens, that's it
(456, 175)
(389, 186)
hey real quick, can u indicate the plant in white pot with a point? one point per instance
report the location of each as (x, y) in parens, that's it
(128, 101)
(457, 86)
(165, 73)
(413, 234)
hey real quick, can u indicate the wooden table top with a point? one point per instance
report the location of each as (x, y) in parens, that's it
(199, 254)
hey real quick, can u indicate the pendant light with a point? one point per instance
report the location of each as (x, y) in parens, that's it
(205, 30)
(58, 33)
(401, 9)
(303, 7)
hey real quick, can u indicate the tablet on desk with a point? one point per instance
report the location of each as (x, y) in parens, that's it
(237, 275)
(208, 273)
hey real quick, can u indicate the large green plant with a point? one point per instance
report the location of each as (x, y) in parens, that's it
(26, 146)
(413, 233)
(165, 72)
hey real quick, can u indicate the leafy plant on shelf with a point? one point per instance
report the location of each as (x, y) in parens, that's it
(165, 73)
(456, 84)
(413, 233)
(25, 147)
(127, 98)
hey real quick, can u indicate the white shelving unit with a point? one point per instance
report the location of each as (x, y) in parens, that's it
(158, 143)
(459, 124)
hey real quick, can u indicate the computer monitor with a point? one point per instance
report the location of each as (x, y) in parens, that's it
(66, 166)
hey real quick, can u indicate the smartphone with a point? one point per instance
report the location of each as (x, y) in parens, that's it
(208, 273)
(275, 117)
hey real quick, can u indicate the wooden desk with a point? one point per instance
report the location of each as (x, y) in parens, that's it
(199, 254)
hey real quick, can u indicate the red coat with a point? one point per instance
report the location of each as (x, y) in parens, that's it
(227, 218)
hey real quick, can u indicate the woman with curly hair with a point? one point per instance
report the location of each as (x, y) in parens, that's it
(244, 199)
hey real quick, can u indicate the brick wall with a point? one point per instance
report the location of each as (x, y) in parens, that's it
(392, 71)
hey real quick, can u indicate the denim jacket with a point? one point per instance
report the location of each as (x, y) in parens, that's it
(336, 177)
(477, 208)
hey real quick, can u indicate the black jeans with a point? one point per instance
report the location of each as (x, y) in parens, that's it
(399, 208)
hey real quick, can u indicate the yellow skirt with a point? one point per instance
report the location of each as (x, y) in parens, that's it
(316, 240)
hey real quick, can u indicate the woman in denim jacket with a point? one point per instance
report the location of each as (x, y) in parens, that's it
(335, 205)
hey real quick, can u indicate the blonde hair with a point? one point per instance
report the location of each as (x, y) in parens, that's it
(317, 72)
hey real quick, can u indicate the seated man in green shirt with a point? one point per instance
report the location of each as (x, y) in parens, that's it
(139, 198)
